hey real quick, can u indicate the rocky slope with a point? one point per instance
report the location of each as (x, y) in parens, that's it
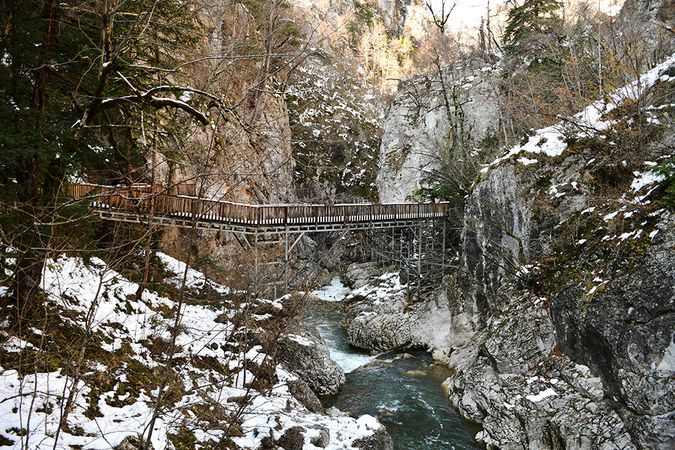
(559, 322)
(569, 259)
(87, 371)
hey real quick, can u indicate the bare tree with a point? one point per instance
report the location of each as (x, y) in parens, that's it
(441, 17)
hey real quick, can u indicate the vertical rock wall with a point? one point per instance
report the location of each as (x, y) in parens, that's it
(417, 130)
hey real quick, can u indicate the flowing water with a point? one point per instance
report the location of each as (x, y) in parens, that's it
(402, 390)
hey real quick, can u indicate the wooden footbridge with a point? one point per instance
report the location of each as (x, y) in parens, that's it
(146, 204)
(143, 203)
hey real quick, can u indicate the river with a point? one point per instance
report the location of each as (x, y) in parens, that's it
(402, 390)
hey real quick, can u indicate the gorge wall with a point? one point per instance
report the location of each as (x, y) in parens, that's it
(457, 102)
(559, 320)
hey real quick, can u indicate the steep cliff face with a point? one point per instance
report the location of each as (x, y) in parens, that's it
(625, 335)
(335, 121)
(568, 261)
(246, 154)
(428, 112)
(338, 96)
(559, 321)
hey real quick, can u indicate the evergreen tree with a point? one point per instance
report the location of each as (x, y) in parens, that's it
(77, 81)
(529, 23)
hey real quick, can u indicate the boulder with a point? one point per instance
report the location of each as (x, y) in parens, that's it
(303, 351)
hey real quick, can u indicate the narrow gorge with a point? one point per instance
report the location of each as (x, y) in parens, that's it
(337, 224)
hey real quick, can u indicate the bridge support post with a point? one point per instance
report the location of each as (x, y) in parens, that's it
(255, 250)
(443, 249)
(257, 223)
(286, 251)
(420, 239)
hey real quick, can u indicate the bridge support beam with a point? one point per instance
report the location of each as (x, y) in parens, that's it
(417, 251)
(414, 239)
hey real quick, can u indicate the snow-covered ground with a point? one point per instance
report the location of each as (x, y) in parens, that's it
(115, 367)
(553, 141)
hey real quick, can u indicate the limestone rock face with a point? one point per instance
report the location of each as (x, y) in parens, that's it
(564, 285)
(625, 335)
(417, 130)
(245, 154)
(394, 13)
(497, 223)
(381, 317)
(649, 13)
(559, 321)
(528, 395)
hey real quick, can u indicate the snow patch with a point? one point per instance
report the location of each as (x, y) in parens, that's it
(334, 292)
(666, 367)
(546, 393)
(300, 340)
(551, 141)
(96, 291)
(645, 179)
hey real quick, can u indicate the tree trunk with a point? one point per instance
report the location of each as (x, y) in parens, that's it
(38, 196)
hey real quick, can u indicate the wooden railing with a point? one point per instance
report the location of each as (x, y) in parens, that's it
(146, 199)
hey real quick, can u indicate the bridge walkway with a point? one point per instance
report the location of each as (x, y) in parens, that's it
(258, 224)
(140, 204)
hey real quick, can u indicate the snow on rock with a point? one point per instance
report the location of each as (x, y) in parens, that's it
(667, 364)
(386, 284)
(114, 395)
(300, 340)
(542, 395)
(527, 161)
(334, 292)
(645, 179)
(381, 318)
(551, 141)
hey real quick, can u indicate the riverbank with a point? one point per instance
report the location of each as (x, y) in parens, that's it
(404, 391)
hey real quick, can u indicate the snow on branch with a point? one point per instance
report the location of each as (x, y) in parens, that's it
(157, 102)
(149, 98)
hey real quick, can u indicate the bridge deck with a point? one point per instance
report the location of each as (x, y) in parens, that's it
(141, 204)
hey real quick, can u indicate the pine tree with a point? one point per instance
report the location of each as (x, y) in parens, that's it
(77, 80)
(529, 23)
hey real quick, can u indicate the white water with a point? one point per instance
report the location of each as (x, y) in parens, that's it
(349, 359)
(326, 317)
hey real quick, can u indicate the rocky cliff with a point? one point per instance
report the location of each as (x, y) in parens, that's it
(456, 104)
(568, 261)
(559, 322)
